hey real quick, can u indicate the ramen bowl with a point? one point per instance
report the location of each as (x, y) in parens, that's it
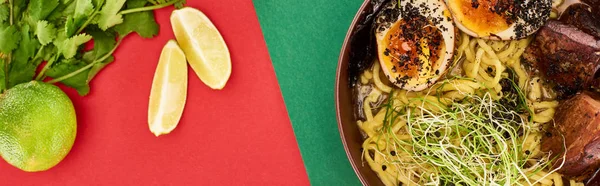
(349, 131)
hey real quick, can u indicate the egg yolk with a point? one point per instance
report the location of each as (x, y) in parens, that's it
(484, 17)
(411, 53)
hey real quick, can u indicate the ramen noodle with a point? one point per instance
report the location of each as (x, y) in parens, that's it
(478, 72)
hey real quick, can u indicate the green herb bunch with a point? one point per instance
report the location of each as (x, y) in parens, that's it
(33, 31)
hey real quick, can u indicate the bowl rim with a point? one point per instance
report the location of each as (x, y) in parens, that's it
(337, 87)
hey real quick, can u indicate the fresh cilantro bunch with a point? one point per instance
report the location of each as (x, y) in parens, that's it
(32, 31)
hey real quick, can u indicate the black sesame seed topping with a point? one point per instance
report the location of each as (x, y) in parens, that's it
(533, 13)
(475, 3)
(408, 27)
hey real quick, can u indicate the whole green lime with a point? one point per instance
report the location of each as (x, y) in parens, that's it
(37, 126)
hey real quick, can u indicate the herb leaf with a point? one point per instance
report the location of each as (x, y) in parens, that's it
(180, 4)
(4, 13)
(18, 8)
(104, 41)
(46, 32)
(60, 12)
(83, 9)
(55, 30)
(10, 39)
(109, 15)
(142, 23)
(27, 46)
(47, 52)
(79, 81)
(69, 47)
(98, 3)
(40, 9)
(22, 68)
(70, 27)
(97, 67)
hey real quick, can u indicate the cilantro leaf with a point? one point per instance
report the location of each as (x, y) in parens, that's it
(69, 8)
(180, 4)
(10, 39)
(61, 36)
(76, 15)
(104, 41)
(57, 16)
(89, 57)
(109, 15)
(40, 9)
(97, 3)
(18, 8)
(69, 47)
(66, 66)
(97, 67)
(81, 12)
(142, 23)
(27, 46)
(83, 9)
(47, 52)
(70, 27)
(22, 68)
(46, 32)
(4, 13)
(21, 72)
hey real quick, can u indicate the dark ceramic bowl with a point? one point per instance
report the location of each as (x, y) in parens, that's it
(351, 136)
(349, 131)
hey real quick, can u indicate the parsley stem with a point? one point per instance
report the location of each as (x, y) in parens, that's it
(147, 8)
(74, 73)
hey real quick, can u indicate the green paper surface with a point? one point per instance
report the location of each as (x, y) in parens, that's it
(304, 40)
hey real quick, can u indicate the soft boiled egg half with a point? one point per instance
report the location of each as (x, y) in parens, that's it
(415, 42)
(500, 19)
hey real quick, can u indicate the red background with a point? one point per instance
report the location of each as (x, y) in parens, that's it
(237, 136)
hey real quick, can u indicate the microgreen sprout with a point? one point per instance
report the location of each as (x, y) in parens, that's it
(474, 141)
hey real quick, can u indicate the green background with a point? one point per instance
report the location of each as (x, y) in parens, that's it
(304, 38)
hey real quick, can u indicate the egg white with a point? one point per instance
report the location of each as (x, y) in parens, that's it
(431, 9)
(521, 28)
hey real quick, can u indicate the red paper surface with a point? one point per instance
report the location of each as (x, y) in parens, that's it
(237, 136)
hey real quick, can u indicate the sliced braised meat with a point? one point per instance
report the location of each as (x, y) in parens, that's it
(595, 4)
(579, 16)
(566, 56)
(578, 121)
(595, 179)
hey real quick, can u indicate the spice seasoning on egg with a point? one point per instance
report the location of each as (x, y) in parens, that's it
(412, 38)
